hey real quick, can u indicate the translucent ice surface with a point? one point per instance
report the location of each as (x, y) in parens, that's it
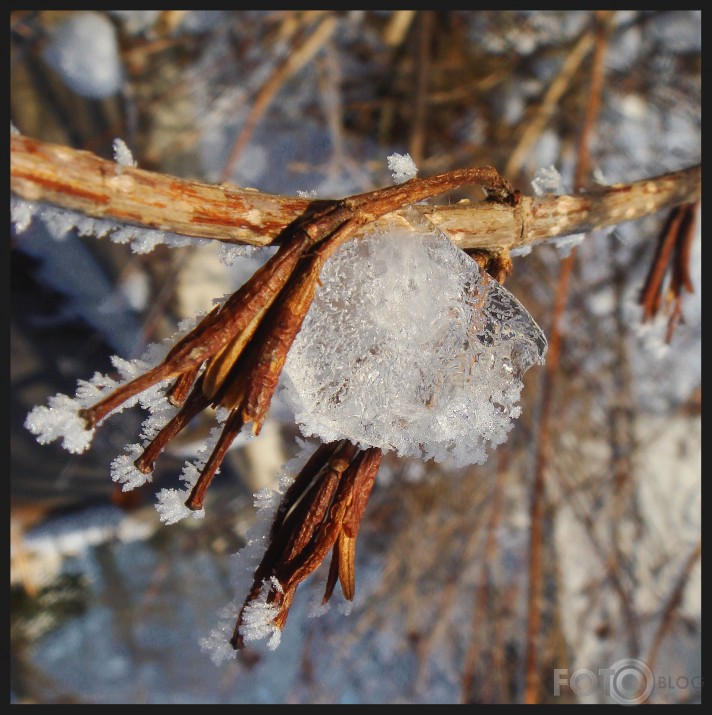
(409, 346)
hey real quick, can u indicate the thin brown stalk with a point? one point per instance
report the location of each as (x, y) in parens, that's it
(296, 59)
(418, 127)
(549, 102)
(280, 330)
(672, 256)
(348, 503)
(292, 528)
(672, 604)
(607, 559)
(338, 480)
(213, 332)
(304, 526)
(302, 482)
(232, 428)
(354, 488)
(536, 506)
(544, 443)
(595, 92)
(397, 27)
(651, 294)
(178, 392)
(81, 181)
(181, 387)
(484, 591)
(681, 275)
(195, 404)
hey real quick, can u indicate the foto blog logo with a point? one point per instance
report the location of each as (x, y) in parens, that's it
(627, 682)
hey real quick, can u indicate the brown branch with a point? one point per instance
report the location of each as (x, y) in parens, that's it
(672, 256)
(397, 27)
(82, 181)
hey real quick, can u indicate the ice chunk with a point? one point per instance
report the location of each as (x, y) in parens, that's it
(409, 346)
(84, 50)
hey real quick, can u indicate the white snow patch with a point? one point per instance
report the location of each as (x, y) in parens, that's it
(85, 52)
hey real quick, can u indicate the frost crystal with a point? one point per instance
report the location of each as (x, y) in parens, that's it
(60, 419)
(59, 222)
(20, 213)
(170, 503)
(122, 154)
(402, 167)
(547, 180)
(229, 253)
(258, 619)
(125, 472)
(409, 346)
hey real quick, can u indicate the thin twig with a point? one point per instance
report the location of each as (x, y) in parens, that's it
(81, 181)
(484, 590)
(397, 27)
(595, 91)
(672, 604)
(544, 442)
(418, 128)
(549, 103)
(608, 560)
(294, 62)
(672, 256)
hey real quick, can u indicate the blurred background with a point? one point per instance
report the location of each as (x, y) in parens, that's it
(599, 481)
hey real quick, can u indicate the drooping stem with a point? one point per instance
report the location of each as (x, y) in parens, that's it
(227, 437)
(195, 404)
(215, 331)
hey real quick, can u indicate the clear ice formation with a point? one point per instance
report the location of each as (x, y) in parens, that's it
(409, 346)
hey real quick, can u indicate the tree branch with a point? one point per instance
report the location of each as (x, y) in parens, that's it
(82, 181)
